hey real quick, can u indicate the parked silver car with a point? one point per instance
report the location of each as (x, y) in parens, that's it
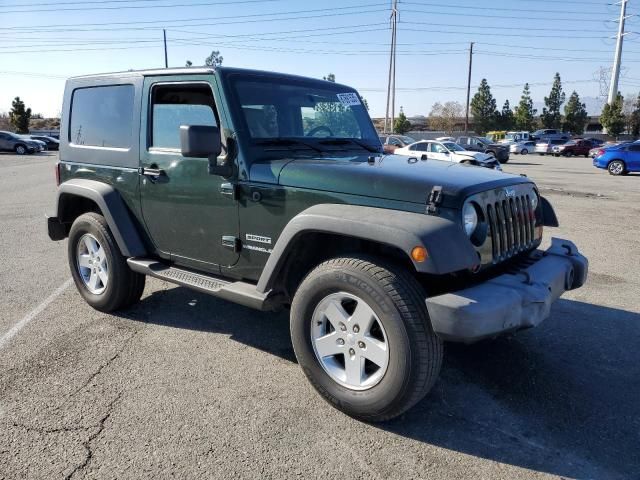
(11, 142)
(546, 146)
(522, 148)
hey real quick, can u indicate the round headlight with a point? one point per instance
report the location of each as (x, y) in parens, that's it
(469, 218)
(534, 202)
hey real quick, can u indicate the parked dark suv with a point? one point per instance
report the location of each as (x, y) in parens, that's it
(272, 191)
(481, 144)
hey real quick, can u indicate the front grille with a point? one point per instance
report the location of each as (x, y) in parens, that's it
(511, 226)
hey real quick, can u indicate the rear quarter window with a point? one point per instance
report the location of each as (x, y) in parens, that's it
(102, 116)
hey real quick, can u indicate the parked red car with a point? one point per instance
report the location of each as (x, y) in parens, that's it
(576, 147)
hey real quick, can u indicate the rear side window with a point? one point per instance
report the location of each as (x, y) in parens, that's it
(102, 116)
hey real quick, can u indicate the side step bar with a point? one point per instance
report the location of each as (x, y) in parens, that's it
(237, 292)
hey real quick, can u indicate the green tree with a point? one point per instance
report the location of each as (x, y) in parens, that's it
(506, 119)
(635, 119)
(612, 117)
(330, 78)
(575, 115)
(402, 125)
(551, 116)
(19, 116)
(188, 63)
(483, 108)
(214, 60)
(365, 103)
(524, 116)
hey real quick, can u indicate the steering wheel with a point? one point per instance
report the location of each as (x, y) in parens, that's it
(320, 128)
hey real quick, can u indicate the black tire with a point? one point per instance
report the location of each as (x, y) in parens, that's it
(415, 352)
(524, 151)
(124, 287)
(617, 167)
(569, 154)
(506, 160)
(21, 149)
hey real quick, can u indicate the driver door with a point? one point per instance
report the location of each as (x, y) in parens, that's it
(438, 152)
(186, 210)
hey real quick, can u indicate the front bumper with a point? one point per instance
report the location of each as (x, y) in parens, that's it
(511, 301)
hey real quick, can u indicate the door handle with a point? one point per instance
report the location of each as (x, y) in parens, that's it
(154, 174)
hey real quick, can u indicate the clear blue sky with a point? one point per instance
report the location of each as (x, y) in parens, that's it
(517, 41)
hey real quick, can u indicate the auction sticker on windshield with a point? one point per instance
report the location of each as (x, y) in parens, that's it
(349, 99)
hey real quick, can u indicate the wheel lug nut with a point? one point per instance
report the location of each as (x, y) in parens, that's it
(343, 327)
(340, 341)
(356, 329)
(352, 352)
(361, 344)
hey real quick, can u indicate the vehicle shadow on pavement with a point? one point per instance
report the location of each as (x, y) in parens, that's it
(179, 307)
(562, 399)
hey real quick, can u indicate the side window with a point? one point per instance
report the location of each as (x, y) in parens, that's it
(414, 147)
(634, 148)
(423, 147)
(463, 141)
(395, 141)
(102, 116)
(173, 105)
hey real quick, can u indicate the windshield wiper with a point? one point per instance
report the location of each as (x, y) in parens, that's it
(287, 142)
(344, 141)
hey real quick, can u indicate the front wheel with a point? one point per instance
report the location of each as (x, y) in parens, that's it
(362, 335)
(99, 270)
(524, 151)
(21, 149)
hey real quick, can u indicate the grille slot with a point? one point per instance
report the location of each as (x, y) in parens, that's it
(511, 226)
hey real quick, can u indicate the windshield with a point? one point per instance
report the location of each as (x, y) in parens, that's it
(407, 140)
(453, 147)
(307, 112)
(483, 140)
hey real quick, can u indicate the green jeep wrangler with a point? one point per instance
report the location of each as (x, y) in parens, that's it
(272, 191)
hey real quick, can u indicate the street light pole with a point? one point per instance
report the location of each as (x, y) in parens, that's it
(466, 115)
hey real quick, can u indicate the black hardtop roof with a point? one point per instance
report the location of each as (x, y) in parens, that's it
(199, 71)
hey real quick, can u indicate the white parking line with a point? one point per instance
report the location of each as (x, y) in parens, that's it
(33, 313)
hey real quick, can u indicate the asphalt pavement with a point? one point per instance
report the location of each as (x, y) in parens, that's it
(188, 386)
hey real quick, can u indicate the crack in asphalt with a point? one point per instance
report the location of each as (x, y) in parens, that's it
(87, 444)
(47, 431)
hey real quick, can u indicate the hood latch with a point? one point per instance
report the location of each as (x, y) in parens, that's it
(435, 199)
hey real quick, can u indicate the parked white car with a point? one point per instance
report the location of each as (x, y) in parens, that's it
(449, 152)
(523, 147)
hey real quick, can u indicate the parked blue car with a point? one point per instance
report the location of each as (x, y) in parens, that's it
(620, 159)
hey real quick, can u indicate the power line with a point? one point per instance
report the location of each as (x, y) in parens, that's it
(167, 23)
(128, 7)
(505, 9)
(511, 17)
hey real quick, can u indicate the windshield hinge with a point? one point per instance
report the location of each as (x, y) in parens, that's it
(435, 199)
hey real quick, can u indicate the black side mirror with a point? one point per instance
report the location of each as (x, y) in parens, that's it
(200, 141)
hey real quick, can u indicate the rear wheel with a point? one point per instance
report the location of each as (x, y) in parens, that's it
(617, 167)
(362, 335)
(524, 151)
(21, 149)
(99, 270)
(569, 154)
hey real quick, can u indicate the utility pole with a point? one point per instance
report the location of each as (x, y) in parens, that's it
(391, 86)
(615, 73)
(166, 62)
(466, 115)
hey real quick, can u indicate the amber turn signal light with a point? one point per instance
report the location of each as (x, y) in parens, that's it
(419, 254)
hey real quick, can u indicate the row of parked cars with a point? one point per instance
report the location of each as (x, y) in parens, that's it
(26, 144)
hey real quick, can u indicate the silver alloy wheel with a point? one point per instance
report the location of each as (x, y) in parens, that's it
(349, 341)
(92, 264)
(20, 150)
(616, 167)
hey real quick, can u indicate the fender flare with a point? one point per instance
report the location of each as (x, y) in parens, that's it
(448, 248)
(113, 209)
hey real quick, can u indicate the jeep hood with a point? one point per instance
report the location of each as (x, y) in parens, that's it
(392, 177)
